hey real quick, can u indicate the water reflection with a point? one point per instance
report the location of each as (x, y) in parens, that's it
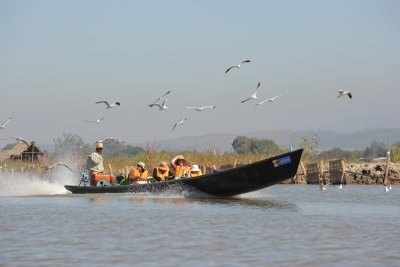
(182, 201)
(251, 202)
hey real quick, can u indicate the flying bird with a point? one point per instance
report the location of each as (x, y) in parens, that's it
(4, 124)
(179, 123)
(98, 121)
(238, 65)
(323, 187)
(161, 107)
(201, 108)
(254, 96)
(158, 99)
(108, 138)
(268, 100)
(60, 164)
(109, 104)
(343, 92)
(20, 139)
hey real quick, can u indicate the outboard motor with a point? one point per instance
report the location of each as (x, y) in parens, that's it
(85, 178)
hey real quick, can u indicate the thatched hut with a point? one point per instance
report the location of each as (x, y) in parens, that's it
(23, 152)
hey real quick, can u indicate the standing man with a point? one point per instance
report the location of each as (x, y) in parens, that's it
(94, 162)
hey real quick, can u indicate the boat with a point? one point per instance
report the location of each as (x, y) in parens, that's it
(225, 183)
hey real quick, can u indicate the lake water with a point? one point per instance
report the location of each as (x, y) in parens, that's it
(283, 225)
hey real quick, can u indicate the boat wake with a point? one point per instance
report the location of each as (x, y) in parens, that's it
(28, 184)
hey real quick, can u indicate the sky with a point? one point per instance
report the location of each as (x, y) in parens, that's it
(57, 58)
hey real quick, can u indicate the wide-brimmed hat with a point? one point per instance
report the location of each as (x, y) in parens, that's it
(163, 166)
(99, 145)
(141, 164)
(195, 168)
(182, 158)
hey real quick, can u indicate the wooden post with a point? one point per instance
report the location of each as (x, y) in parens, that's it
(204, 170)
(385, 180)
(343, 171)
(234, 163)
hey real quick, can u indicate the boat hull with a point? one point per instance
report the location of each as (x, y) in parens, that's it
(230, 182)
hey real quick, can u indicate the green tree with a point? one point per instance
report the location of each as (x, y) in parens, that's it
(243, 145)
(71, 145)
(375, 150)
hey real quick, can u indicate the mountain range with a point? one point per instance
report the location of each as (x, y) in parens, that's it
(284, 138)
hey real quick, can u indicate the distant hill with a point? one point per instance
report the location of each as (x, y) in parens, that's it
(284, 138)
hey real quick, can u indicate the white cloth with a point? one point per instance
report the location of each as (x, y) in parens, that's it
(95, 162)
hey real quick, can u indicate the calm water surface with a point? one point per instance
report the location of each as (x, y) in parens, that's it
(284, 225)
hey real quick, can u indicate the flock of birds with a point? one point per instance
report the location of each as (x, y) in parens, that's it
(161, 104)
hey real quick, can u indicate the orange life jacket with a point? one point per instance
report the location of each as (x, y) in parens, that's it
(179, 171)
(161, 175)
(135, 174)
(194, 174)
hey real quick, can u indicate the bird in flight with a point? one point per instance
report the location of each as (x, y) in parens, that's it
(60, 164)
(238, 65)
(161, 107)
(343, 92)
(20, 139)
(4, 124)
(98, 121)
(268, 100)
(158, 99)
(323, 187)
(109, 104)
(201, 108)
(179, 123)
(108, 138)
(253, 96)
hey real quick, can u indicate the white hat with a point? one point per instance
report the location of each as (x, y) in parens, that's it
(195, 168)
(141, 164)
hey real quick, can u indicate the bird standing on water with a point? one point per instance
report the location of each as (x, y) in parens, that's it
(238, 65)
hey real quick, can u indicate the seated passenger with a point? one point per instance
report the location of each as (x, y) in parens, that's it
(161, 172)
(139, 173)
(180, 166)
(195, 171)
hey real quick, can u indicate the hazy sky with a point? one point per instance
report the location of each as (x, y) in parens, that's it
(57, 58)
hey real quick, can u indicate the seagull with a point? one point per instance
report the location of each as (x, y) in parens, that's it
(340, 186)
(237, 66)
(179, 123)
(4, 124)
(20, 139)
(60, 164)
(158, 99)
(343, 92)
(322, 187)
(254, 96)
(268, 100)
(108, 138)
(109, 104)
(160, 107)
(201, 108)
(98, 121)
(387, 188)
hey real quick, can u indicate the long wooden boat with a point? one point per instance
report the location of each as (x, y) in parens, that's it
(225, 183)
